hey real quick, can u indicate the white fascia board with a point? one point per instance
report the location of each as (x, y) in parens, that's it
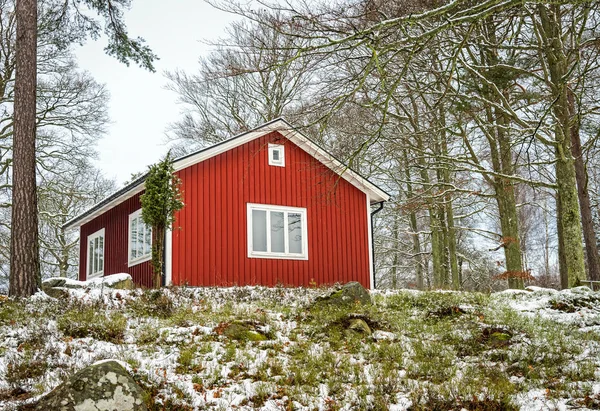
(108, 206)
(226, 146)
(297, 138)
(375, 194)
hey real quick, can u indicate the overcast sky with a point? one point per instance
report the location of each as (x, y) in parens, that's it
(140, 108)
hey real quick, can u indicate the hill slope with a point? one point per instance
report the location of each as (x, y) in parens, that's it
(527, 350)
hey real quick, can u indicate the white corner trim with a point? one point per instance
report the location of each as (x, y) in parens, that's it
(370, 235)
(169, 257)
(99, 233)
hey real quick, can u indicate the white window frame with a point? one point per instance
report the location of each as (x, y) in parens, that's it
(131, 262)
(281, 149)
(269, 254)
(91, 237)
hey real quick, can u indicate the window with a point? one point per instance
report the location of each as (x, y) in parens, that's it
(140, 239)
(276, 155)
(95, 254)
(277, 232)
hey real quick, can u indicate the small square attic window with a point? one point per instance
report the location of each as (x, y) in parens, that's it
(276, 155)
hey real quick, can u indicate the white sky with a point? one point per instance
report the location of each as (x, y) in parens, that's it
(140, 108)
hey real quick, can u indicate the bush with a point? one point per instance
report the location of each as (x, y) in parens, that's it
(88, 322)
(153, 303)
(148, 334)
(28, 366)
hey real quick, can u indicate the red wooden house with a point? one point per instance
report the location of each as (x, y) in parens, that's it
(265, 207)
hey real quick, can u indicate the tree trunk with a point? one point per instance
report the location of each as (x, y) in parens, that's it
(449, 212)
(562, 258)
(435, 223)
(158, 249)
(414, 227)
(24, 256)
(589, 233)
(63, 260)
(569, 217)
(395, 263)
(503, 162)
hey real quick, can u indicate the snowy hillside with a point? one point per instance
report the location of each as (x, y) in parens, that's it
(529, 350)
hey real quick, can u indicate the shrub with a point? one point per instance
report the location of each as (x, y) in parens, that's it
(153, 303)
(28, 366)
(147, 334)
(90, 323)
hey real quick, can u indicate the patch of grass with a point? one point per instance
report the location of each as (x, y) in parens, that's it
(262, 392)
(187, 360)
(88, 322)
(474, 404)
(14, 394)
(29, 366)
(13, 312)
(147, 334)
(153, 303)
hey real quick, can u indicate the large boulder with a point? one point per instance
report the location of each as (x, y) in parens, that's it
(57, 287)
(349, 294)
(105, 386)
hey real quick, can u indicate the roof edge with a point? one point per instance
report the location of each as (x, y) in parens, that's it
(279, 124)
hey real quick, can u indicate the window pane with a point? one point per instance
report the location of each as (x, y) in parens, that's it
(276, 155)
(101, 254)
(277, 233)
(91, 258)
(295, 233)
(140, 237)
(259, 230)
(148, 241)
(96, 245)
(132, 241)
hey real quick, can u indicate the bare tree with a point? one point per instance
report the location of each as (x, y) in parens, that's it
(25, 267)
(240, 85)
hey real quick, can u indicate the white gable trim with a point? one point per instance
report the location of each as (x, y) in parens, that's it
(374, 193)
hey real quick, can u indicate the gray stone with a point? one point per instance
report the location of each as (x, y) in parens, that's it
(359, 326)
(58, 287)
(106, 386)
(349, 294)
(54, 282)
(56, 292)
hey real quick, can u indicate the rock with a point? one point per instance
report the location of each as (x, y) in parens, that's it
(58, 287)
(121, 281)
(240, 331)
(105, 386)
(56, 292)
(359, 326)
(54, 282)
(349, 294)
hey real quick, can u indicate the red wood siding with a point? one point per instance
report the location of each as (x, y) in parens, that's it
(116, 225)
(210, 247)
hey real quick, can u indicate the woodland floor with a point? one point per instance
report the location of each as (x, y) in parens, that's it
(532, 350)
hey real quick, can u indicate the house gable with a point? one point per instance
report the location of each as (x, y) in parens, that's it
(281, 126)
(210, 243)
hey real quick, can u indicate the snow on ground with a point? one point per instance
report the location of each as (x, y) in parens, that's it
(532, 349)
